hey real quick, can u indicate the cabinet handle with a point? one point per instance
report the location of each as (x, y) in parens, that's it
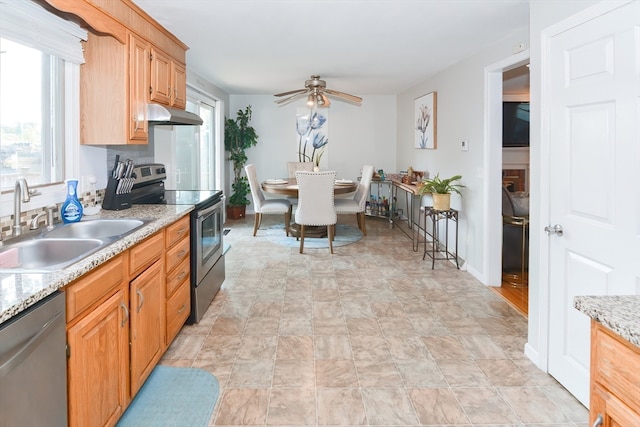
(181, 253)
(598, 421)
(182, 230)
(181, 309)
(135, 120)
(141, 300)
(181, 276)
(126, 314)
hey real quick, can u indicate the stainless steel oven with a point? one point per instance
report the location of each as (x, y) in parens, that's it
(207, 257)
(206, 242)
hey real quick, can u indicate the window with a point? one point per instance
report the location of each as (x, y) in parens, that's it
(31, 115)
(39, 94)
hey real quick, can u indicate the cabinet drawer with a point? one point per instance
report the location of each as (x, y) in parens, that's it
(177, 276)
(96, 286)
(616, 365)
(178, 309)
(177, 231)
(177, 254)
(144, 254)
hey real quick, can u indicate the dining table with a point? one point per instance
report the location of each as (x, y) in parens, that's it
(289, 187)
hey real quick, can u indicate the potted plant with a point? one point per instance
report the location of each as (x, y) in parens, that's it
(238, 137)
(440, 190)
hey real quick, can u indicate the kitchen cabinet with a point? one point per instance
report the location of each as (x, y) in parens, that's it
(147, 307)
(615, 379)
(130, 60)
(139, 51)
(98, 345)
(116, 327)
(168, 80)
(178, 291)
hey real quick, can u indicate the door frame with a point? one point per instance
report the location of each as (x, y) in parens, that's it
(492, 261)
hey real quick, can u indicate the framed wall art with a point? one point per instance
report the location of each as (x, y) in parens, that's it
(425, 121)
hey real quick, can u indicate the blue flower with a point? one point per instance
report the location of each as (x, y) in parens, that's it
(317, 121)
(319, 141)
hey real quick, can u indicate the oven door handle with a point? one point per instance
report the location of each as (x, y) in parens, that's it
(210, 209)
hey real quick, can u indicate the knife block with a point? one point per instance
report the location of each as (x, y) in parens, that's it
(113, 201)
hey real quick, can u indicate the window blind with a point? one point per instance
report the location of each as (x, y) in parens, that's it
(28, 23)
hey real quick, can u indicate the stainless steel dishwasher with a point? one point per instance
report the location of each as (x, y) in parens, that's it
(33, 366)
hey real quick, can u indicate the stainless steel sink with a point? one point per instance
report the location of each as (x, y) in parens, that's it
(64, 245)
(45, 254)
(95, 229)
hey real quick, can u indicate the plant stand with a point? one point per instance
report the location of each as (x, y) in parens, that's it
(440, 248)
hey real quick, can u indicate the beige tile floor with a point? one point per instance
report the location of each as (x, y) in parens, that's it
(368, 336)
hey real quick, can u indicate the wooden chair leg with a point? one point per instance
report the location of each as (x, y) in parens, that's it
(361, 222)
(287, 220)
(331, 229)
(256, 223)
(301, 237)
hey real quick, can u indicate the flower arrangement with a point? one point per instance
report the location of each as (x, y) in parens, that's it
(307, 127)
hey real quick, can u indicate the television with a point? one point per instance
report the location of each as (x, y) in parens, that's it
(515, 124)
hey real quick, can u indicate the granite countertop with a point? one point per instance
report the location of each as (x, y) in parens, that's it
(620, 313)
(18, 291)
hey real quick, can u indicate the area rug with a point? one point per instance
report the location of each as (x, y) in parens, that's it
(345, 235)
(173, 397)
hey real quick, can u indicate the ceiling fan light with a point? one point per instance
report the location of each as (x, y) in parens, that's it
(310, 100)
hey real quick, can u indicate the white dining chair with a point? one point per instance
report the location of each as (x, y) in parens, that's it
(357, 204)
(292, 167)
(316, 203)
(262, 205)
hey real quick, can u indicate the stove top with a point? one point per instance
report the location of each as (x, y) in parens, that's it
(149, 189)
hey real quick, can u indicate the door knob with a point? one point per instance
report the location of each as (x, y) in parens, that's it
(555, 229)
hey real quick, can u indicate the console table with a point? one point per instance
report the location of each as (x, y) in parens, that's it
(439, 248)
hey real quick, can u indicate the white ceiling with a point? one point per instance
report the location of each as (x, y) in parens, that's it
(357, 46)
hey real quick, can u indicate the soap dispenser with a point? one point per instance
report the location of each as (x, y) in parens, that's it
(71, 208)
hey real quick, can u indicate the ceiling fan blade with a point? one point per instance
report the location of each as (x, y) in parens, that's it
(291, 98)
(343, 95)
(291, 92)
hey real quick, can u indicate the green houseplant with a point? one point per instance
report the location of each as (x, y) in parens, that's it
(441, 190)
(238, 137)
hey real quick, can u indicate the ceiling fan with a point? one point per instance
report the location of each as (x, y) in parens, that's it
(316, 92)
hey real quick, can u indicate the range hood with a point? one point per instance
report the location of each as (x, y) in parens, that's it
(162, 115)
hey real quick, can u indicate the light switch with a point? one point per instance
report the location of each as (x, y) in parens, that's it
(464, 146)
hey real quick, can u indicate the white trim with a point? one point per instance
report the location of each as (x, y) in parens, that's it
(491, 263)
(28, 23)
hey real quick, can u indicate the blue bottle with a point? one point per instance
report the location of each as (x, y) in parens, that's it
(71, 208)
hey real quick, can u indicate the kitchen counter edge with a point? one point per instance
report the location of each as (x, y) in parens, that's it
(620, 313)
(19, 291)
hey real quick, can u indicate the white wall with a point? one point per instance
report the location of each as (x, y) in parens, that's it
(358, 135)
(460, 116)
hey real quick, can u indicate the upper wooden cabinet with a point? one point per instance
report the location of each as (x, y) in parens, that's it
(131, 60)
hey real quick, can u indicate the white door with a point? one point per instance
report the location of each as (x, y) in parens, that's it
(594, 102)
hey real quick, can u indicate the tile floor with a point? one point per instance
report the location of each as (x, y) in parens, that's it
(368, 336)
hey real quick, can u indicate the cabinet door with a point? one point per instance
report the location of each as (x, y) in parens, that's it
(97, 364)
(179, 83)
(160, 77)
(138, 87)
(148, 323)
(610, 410)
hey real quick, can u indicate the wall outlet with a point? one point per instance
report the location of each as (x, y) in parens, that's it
(464, 146)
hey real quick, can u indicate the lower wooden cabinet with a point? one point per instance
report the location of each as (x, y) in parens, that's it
(147, 305)
(615, 380)
(98, 363)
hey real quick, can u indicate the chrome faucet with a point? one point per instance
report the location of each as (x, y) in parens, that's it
(21, 193)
